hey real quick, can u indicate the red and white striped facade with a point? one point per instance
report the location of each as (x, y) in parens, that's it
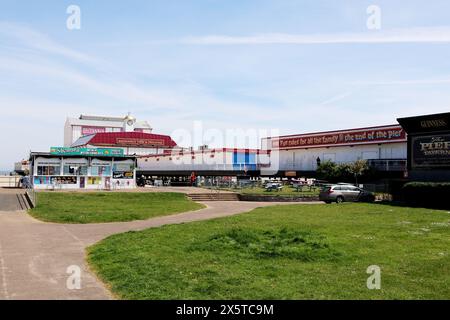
(218, 159)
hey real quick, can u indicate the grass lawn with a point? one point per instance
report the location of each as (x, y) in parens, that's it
(78, 207)
(284, 252)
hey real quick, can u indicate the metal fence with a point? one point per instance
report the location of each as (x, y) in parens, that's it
(377, 188)
(387, 164)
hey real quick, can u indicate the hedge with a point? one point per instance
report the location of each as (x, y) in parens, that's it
(427, 194)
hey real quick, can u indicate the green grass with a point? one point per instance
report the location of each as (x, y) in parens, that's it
(78, 207)
(284, 252)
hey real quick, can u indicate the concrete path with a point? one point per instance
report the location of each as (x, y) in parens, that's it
(34, 256)
(8, 200)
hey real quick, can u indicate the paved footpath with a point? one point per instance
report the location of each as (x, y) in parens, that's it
(9, 200)
(34, 256)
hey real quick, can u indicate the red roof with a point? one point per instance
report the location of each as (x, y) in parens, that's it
(126, 139)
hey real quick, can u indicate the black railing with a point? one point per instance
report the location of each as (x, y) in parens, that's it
(387, 164)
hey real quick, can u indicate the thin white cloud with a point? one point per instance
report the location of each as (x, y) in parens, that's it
(38, 41)
(112, 88)
(404, 82)
(409, 35)
(336, 98)
(191, 101)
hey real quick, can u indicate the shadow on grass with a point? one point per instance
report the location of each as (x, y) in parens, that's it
(405, 204)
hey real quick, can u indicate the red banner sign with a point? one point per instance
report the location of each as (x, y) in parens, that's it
(139, 142)
(366, 136)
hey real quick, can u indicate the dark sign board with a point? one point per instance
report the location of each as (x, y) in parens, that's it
(425, 124)
(123, 175)
(139, 142)
(431, 151)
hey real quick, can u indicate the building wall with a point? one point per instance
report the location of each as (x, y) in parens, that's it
(68, 137)
(305, 159)
(73, 131)
(76, 133)
(59, 178)
(204, 161)
(9, 181)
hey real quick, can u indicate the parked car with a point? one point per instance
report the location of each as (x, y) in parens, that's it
(343, 192)
(274, 186)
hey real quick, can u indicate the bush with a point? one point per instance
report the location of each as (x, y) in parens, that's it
(427, 194)
(343, 172)
(327, 170)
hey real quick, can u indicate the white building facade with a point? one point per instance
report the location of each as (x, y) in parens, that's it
(84, 125)
(382, 146)
(220, 160)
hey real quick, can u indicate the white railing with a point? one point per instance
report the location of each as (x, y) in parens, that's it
(9, 181)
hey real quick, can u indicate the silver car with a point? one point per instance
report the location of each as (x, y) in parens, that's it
(344, 192)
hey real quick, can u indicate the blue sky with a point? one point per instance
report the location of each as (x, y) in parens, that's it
(292, 65)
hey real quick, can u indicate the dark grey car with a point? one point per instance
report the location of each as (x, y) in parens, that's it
(340, 193)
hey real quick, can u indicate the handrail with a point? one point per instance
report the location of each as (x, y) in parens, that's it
(31, 195)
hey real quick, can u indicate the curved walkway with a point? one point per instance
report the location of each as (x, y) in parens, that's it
(34, 256)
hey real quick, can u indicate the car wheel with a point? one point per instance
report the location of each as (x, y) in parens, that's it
(327, 202)
(339, 199)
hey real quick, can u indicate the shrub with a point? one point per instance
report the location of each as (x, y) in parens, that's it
(343, 172)
(427, 194)
(327, 170)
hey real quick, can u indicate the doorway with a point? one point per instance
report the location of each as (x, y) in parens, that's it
(82, 182)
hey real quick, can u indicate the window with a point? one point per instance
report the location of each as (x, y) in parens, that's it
(72, 170)
(48, 170)
(124, 166)
(101, 171)
(83, 171)
(69, 170)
